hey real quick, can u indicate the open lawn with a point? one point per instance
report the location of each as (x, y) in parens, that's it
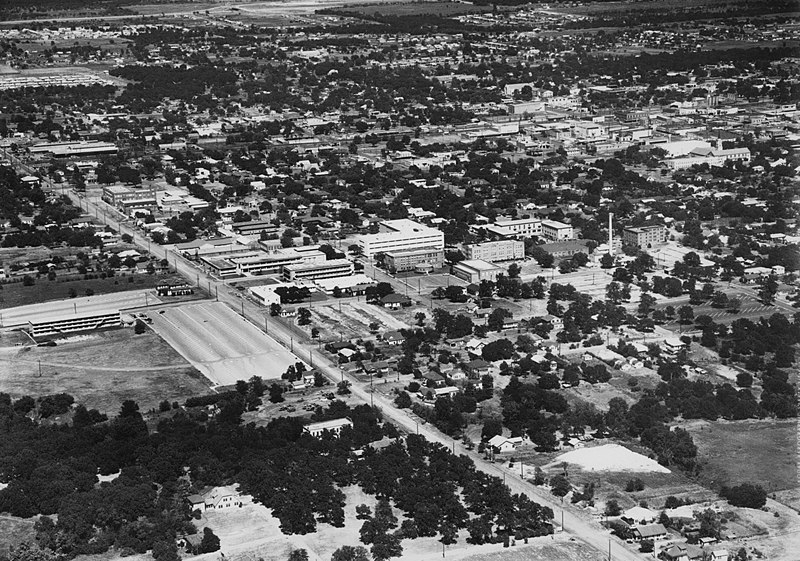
(16, 294)
(252, 533)
(763, 452)
(14, 531)
(101, 370)
(444, 9)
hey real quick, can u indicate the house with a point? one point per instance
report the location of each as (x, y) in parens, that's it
(434, 380)
(223, 497)
(333, 426)
(393, 338)
(640, 515)
(395, 301)
(478, 367)
(681, 552)
(449, 391)
(346, 354)
(474, 346)
(215, 498)
(502, 444)
(649, 532)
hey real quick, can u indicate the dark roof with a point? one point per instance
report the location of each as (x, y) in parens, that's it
(395, 298)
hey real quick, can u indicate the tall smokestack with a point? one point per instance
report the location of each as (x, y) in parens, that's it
(611, 233)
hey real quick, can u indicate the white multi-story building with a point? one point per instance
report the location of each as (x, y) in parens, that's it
(400, 235)
(525, 227)
(503, 250)
(557, 231)
(712, 157)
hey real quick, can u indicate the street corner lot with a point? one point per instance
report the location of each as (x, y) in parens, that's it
(101, 370)
(352, 320)
(224, 346)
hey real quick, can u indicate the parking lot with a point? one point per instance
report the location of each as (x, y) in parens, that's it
(221, 344)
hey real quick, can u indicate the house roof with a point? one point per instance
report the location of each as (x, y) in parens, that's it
(395, 299)
(651, 530)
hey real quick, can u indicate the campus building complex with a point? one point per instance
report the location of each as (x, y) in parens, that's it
(400, 235)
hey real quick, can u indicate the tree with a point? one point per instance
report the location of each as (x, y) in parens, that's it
(403, 400)
(769, 288)
(560, 485)
(350, 553)
(686, 314)
(607, 261)
(514, 270)
(209, 543)
(276, 393)
(274, 309)
(646, 546)
(139, 327)
(298, 555)
(303, 316)
(496, 318)
(343, 388)
(746, 495)
(744, 379)
(612, 508)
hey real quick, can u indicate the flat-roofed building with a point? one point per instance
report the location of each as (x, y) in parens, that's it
(265, 294)
(524, 227)
(414, 260)
(644, 236)
(476, 270)
(351, 286)
(557, 231)
(331, 268)
(80, 321)
(77, 148)
(263, 263)
(503, 250)
(333, 426)
(124, 197)
(400, 235)
(566, 248)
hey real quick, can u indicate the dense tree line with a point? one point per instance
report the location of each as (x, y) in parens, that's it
(52, 470)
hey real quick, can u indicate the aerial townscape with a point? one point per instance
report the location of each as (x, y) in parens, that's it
(363, 280)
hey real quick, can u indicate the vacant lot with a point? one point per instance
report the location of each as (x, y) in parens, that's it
(101, 370)
(14, 531)
(445, 9)
(16, 294)
(221, 344)
(352, 320)
(763, 452)
(252, 533)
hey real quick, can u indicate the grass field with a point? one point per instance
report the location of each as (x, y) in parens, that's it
(14, 531)
(101, 370)
(445, 9)
(252, 533)
(16, 294)
(764, 452)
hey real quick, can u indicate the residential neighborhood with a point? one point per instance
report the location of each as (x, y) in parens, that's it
(369, 281)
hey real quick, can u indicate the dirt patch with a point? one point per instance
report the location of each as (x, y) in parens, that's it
(101, 370)
(14, 531)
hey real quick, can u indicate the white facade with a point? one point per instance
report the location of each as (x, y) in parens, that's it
(400, 235)
(525, 227)
(504, 250)
(557, 231)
